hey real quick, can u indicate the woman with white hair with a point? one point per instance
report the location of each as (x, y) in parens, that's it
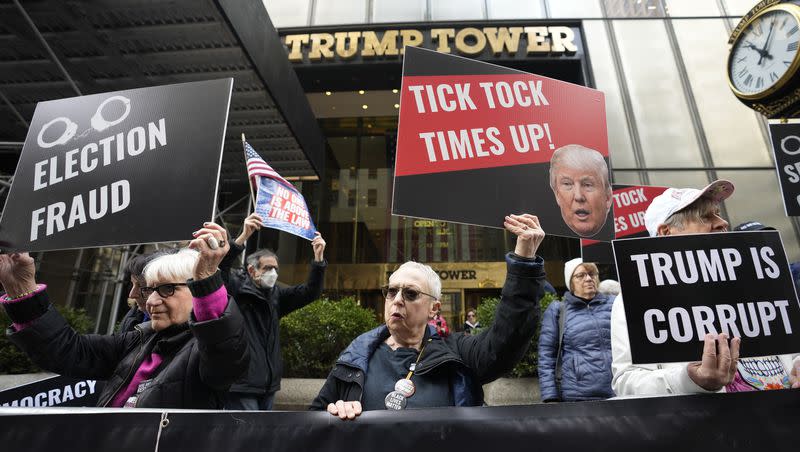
(186, 357)
(406, 364)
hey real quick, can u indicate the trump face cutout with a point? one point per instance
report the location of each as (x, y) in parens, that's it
(579, 179)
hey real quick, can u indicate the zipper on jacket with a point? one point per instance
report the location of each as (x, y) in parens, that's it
(130, 371)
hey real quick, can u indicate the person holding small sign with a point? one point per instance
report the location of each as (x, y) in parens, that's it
(263, 303)
(187, 356)
(575, 339)
(678, 212)
(406, 364)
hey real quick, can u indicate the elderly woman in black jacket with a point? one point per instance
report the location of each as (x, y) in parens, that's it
(406, 364)
(186, 357)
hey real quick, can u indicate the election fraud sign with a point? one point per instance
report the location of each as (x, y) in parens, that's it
(58, 390)
(475, 143)
(630, 204)
(282, 207)
(678, 288)
(134, 166)
(786, 148)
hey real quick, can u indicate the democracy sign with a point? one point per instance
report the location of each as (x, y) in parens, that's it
(679, 288)
(477, 141)
(630, 204)
(57, 390)
(785, 135)
(283, 207)
(125, 167)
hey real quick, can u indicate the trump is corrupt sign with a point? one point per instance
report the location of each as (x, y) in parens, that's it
(476, 142)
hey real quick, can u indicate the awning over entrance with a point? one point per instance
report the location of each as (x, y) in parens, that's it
(53, 49)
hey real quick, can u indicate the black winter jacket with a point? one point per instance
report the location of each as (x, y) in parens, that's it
(262, 310)
(470, 360)
(201, 359)
(132, 318)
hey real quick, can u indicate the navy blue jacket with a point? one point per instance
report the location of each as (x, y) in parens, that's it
(586, 350)
(470, 360)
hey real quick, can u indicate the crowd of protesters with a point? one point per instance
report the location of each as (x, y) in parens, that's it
(201, 334)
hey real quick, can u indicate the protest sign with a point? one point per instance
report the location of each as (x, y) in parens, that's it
(475, 143)
(57, 390)
(630, 204)
(678, 288)
(786, 148)
(134, 166)
(278, 202)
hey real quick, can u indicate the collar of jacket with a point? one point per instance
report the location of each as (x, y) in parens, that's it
(573, 299)
(358, 353)
(168, 341)
(250, 288)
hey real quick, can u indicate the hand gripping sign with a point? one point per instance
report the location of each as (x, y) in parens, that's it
(133, 166)
(477, 141)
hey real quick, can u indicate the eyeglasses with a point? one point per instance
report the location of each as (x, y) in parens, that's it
(165, 290)
(408, 293)
(582, 275)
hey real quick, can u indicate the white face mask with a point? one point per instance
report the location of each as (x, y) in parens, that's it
(268, 278)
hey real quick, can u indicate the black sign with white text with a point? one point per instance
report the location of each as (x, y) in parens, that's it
(678, 288)
(58, 390)
(134, 166)
(786, 148)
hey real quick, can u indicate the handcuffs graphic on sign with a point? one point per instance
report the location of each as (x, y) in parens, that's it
(98, 123)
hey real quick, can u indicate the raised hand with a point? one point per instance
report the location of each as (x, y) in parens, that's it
(251, 224)
(528, 231)
(17, 274)
(318, 244)
(212, 242)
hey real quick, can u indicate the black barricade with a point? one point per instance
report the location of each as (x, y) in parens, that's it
(710, 422)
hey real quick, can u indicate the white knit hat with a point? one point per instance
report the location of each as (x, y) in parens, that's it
(569, 269)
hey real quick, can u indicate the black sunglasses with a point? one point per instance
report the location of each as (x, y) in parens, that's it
(408, 293)
(165, 290)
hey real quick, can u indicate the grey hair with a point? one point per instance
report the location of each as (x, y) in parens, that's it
(581, 157)
(255, 257)
(177, 267)
(694, 212)
(434, 282)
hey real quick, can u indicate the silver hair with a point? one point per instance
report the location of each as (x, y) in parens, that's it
(694, 212)
(581, 157)
(609, 287)
(254, 258)
(176, 268)
(434, 282)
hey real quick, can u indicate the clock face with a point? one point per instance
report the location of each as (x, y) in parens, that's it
(764, 52)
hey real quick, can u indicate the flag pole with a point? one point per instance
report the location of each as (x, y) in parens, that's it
(249, 182)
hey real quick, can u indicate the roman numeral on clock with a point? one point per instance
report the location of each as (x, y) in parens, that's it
(773, 76)
(792, 31)
(792, 46)
(748, 80)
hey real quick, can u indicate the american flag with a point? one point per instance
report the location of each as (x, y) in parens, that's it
(256, 166)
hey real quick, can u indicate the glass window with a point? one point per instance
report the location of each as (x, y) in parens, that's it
(682, 8)
(514, 9)
(758, 197)
(662, 116)
(287, 13)
(606, 80)
(627, 177)
(574, 9)
(394, 11)
(457, 9)
(634, 8)
(678, 179)
(732, 130)
(739, 7)
(330, 12)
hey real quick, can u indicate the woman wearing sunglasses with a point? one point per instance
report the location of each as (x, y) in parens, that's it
(186, 357)
(405, 364)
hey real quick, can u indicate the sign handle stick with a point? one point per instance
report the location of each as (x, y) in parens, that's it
(249, 181)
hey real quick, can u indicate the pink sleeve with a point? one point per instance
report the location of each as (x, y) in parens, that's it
(5, 300)
(210, 306)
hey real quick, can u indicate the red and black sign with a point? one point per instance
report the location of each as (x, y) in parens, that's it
(475, 142)
(679, 288)
(630, 204)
